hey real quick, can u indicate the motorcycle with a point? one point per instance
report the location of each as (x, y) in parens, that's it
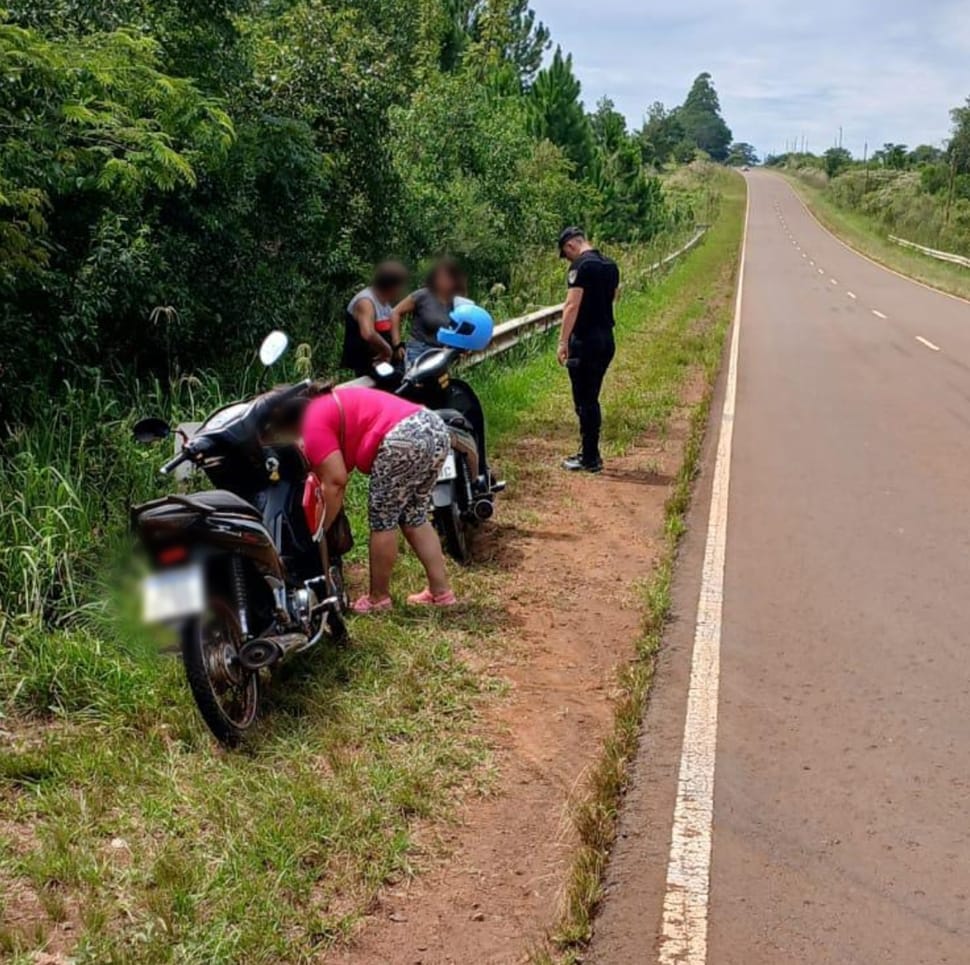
(464, 496)
(243, 571)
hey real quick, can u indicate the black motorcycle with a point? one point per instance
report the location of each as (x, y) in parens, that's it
(464, 496)
(244, 571)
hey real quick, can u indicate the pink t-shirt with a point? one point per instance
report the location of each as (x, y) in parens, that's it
(369, 416)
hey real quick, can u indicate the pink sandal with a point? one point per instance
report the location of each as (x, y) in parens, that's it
(366, 605)
(427, 598)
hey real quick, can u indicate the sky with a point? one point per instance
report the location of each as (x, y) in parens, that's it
(885, 70)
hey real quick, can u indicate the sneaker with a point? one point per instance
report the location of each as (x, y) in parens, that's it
(576, 464)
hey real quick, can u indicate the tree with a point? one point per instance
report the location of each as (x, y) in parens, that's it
(923, 155)
(837, 159)
(701, 119)
(524, 39)
(892, 156)
(557, 113)
(958, 148)
(609, 126)
(660, 135)
(742, 153)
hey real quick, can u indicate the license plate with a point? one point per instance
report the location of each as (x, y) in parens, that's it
(449, 470)
(173, 594)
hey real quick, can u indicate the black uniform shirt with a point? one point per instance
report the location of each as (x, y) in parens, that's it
(599, 278)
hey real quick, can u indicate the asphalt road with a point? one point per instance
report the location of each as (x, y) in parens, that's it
(841, 803)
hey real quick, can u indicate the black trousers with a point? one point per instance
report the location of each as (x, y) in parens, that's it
(590, 358)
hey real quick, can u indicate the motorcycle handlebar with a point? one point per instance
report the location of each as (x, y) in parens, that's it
(173, 464)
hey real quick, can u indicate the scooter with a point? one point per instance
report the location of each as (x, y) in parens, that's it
(464, 496)
(244, 571)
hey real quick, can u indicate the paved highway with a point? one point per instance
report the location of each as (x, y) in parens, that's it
(822, 643)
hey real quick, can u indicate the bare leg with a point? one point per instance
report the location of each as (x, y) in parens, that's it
(424, 541)
(383, 554)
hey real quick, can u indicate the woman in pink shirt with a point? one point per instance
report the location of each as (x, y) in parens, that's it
(402, 447)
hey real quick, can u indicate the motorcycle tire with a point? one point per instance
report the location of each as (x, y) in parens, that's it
(454, 533)
(209, 644)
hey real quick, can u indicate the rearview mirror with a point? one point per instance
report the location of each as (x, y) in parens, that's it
(273, 348)
(151, 430)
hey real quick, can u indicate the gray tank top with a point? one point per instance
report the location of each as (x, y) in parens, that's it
(382, 311)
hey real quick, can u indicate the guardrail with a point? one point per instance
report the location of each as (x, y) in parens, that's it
(932, 252)
(516, 330)
(506, 336)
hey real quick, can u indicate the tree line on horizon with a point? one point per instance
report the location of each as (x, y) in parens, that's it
(178, 177)
(920, 193)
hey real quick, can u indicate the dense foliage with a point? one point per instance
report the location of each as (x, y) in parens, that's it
(176, 178)
(922, 194)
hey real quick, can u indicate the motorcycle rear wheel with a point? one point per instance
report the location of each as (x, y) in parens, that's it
(227, 695)
(454, 533)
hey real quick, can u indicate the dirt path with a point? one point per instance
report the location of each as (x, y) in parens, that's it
(572, 553)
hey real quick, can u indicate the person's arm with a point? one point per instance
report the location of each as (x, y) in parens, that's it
(400, 310)
(569, 315)
(332, 473)
(366, 317)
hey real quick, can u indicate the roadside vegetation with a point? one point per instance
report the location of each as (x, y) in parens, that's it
(920, 194)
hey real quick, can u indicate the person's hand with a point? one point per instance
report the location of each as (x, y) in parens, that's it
(562, 353)
(398, 356)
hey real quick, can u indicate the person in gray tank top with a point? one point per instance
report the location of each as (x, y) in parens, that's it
(371, 334)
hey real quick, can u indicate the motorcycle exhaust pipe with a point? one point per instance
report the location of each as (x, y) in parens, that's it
(266, 652)
(484, 510)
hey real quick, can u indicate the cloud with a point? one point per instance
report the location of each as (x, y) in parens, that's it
(885, 70)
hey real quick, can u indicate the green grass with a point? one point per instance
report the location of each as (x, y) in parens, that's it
(121, 816)
(688, 319)
(867, 235)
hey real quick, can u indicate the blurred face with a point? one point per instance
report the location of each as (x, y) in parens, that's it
(444, 285)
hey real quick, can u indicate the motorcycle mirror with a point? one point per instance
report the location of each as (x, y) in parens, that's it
(151, 430)
(273, 348)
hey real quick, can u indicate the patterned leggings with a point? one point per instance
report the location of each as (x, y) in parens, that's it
(405, 471)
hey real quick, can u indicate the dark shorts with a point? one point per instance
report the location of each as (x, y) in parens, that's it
(405, 471)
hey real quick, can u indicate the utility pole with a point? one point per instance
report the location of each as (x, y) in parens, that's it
(840, 137)
(865, 160)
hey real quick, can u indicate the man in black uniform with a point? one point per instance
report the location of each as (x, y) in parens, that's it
(586, 345)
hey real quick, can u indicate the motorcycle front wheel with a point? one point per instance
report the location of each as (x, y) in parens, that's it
(226, 694)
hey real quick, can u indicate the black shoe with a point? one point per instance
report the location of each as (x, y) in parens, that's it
(576, 464)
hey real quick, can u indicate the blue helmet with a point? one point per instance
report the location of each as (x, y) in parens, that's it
(470, 330)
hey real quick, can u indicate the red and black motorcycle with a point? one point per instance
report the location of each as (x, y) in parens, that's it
(244, 570)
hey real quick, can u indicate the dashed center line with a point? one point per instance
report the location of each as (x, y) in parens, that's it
(851, 295)
(833, 281)
(821, 271)
(928, 343)
(879, 314)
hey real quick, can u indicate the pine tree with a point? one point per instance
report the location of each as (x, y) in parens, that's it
(557, 114)
(701, 119)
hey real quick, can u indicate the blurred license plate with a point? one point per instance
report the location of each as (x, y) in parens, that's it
(172, 594)
(449, 470)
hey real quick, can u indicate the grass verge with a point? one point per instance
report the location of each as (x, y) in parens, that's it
(868, 236)
(595, 814)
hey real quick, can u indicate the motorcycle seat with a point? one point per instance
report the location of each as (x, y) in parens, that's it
(455, 420)
(221, 501)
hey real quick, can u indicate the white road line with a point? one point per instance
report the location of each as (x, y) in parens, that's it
(928, 343)
(684, 934)
(821, 271)
(851, 295)
(812, 263)
(833, 281)
(804, 255)
(879, 314)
